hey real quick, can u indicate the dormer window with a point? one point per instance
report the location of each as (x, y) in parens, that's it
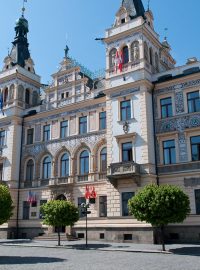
(123, 20)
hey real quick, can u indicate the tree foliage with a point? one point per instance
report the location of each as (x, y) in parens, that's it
(6, 204)
(160, 205)
(59, 213)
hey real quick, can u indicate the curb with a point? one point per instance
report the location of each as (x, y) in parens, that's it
(99, 249)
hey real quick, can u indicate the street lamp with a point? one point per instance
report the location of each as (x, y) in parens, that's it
(84, 210)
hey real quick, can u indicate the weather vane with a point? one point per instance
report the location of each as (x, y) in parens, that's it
(148, 7)
(166, 30)
(23, 8)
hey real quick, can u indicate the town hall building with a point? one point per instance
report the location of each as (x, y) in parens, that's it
(139, 123)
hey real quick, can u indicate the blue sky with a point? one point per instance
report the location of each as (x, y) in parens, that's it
(83, 20)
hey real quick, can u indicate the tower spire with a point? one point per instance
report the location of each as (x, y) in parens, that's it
(23, 8)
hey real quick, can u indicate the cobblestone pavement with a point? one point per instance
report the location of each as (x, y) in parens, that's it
(75, 257)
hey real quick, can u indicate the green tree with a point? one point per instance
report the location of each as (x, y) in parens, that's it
(159, 206)
(6, 204)
(59, 213)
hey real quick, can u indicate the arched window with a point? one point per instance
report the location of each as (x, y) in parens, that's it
(5, 96)
(11, 92)
(135, 51)
(84, 162)
(112, 57)
(35, 98)
(27, 96)
(146, 52)
(29, 170)
(151, 56)
(21, 93)
(156, 62)
(64, 169)
(125, 55)
(46, 169)
(103, 160)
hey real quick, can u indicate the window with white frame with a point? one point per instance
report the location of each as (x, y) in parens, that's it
(2, 137)
(64, 165)
(195, 148)
(125, 110)
(46, 133)
(46, 168)
(29, 170)
(169, 152)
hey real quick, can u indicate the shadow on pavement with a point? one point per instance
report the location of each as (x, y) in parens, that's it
(191, 251)
(90, 246)
(27, 260)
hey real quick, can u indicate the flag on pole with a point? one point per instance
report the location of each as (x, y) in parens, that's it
(119, 60)
(87, 192)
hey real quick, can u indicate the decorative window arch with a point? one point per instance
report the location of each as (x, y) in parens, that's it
(135, 51)
(46, 168)
(146, 51)
(156, 62)
(21, 93)
(5, 95)
(151, 56)
(84, 162)
(103, 160)
(64, 165)
(112, 56)
(30, 170)
(27, 96)
(125, 55)
(35, 98)
(12, 92)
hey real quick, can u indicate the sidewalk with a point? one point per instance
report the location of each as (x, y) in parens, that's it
(106, 246)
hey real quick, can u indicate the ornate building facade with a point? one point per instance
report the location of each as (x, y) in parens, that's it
(137, 124)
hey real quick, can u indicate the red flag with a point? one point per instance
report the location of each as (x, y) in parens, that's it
(93, 193)
(87, 192)
(121, 61)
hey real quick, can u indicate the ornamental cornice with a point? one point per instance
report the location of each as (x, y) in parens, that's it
(179, 123)
(70, 144)
(62, 114)
(178, 87)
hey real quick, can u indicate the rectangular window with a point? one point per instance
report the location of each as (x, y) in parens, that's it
(1, 171)
(195, 148)
(83, 125)
(169, 152)
(46, 133)
(80, 201)
(193, 102)
(125, 198)
(166, 107)
(125, 110)
(2, 137)
(30, 133)
(197, 201)
(103, 206)
(127, 152)
(63, 129)
(102, 120)
(26, 210)
(41, 203)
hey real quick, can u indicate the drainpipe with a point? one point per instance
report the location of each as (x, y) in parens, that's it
(155, 143)
(19, 182)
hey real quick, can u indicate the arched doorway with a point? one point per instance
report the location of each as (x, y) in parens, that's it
(61, 197)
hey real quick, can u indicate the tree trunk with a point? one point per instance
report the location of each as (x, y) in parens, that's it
(58, 236)
(162, 237)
